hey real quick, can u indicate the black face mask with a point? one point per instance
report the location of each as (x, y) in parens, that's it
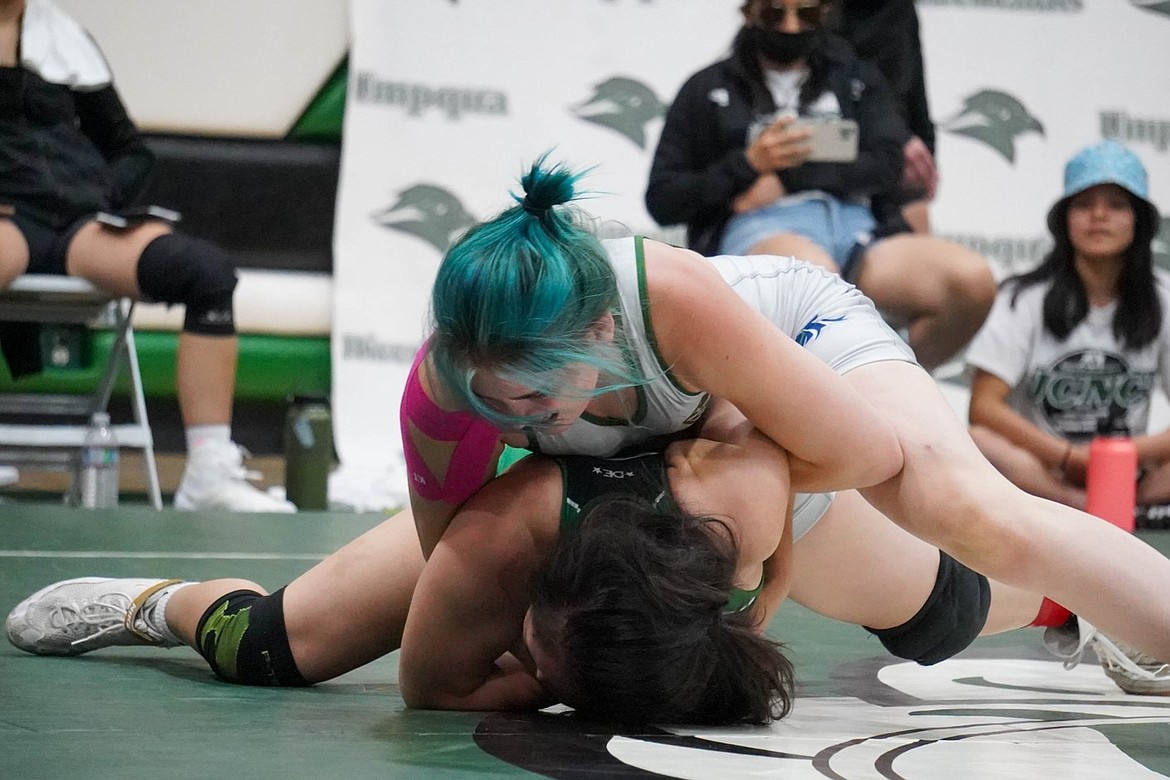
(783, 48)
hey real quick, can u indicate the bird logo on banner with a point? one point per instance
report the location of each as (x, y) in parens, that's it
(1157, 6)
(995, 118)
(622, 104)
(427, 211)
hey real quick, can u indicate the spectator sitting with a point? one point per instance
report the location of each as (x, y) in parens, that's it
(1076, 344)
(731, 166)
(69, 151)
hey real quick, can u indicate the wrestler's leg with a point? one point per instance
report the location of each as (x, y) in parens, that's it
(346, 611)
(856, 566)
(950, 496)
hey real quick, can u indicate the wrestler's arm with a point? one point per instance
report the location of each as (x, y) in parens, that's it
(742, 478)
(431, 519)
(777, 577)
(449, 453)
(467, 614)
(714, 341)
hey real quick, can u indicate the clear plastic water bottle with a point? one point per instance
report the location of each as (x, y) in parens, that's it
(99, 464)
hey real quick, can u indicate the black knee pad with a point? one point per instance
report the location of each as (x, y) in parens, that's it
(242, 636)
(948, 622)
(176, 268)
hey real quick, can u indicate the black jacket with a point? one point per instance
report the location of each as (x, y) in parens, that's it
(699, 166)
(66, 149)
(887, 34)
(66, 153)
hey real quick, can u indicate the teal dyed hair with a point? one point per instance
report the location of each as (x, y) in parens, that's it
(520, 295)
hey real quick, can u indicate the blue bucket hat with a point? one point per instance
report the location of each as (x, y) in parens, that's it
(1107, 162)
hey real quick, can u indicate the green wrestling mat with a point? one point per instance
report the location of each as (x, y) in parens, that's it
(1003, 709)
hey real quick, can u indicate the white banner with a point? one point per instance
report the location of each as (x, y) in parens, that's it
(1016, 87)
(450, 100)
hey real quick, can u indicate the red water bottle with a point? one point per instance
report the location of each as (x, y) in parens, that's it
(1111, 482)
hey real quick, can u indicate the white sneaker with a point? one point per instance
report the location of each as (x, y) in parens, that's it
(215, 478)
(76, 616)
(1132, 670)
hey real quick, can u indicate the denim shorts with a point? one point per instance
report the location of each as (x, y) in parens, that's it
(837, 226)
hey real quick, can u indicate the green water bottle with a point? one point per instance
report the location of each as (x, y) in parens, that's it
(308, 452)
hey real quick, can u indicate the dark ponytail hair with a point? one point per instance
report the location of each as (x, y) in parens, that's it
(632, 606)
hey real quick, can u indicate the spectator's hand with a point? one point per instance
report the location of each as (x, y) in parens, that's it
(7, 210)
(779, 147)
(1078, 465)
(918, 168)
(766, 189)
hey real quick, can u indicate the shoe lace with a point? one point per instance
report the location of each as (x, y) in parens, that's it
(242, 472)
(109, 612)
(232, 464)
(1057, 641)
(1133, 663)
(1112, 655)
(107, 615)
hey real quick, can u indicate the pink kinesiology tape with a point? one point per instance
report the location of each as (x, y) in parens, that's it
(475, 443)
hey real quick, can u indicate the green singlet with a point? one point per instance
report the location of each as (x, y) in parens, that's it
(587, 479)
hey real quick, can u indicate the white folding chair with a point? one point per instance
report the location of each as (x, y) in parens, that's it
(65, 299)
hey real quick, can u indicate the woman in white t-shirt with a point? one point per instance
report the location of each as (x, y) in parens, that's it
(1077, 345)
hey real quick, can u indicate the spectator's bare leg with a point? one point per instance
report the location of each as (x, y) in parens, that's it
(943, 289)
(206, 365)
(13, 252)
(205, 378)
(1155, 485)
(793, 245)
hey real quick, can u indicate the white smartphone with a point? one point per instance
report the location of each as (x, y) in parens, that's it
(833, 140)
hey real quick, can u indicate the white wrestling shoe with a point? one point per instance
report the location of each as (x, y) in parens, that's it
(1133, 671)
(215, 478)
(76, 616)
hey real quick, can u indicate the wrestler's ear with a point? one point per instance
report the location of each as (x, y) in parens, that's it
(604, 328)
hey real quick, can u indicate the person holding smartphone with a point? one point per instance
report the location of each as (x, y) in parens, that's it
(71, 163)
(739, 164)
